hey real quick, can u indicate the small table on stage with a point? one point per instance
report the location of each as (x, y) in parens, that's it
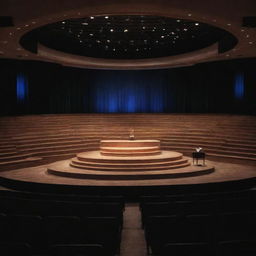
(198, 155)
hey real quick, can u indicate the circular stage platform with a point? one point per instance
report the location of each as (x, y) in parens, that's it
(224, 172)
(126, 166)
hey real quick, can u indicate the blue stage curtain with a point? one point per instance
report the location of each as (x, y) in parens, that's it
(128, 92)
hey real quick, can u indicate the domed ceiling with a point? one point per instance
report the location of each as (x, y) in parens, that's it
(127, 36)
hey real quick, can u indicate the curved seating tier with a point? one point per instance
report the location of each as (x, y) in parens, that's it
(27, 140)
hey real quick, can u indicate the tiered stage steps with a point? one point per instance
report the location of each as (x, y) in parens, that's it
(26, 140)
(127, 159)
(94, 160)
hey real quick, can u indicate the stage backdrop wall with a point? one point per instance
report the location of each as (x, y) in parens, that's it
(35, 87)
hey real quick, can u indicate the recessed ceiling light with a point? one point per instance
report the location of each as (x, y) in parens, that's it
(63, 22)
(106, 17)
(196, 24)
(108, 41)
(114, 49)
(126, 30)
(111, 30)
(162, 36)
(91, 34)
(178, 20)
(144, 27)
(185, 29)
(85, 23)
(91, 17)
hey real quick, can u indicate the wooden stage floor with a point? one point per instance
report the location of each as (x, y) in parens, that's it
(224, 172)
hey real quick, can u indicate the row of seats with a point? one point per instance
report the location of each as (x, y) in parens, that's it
(227, 248)
(10, 205)
(160, 230)
(212, 224)
(14, 249)
(198, 196)
(88, 198)
(26, 139)
(42, 233)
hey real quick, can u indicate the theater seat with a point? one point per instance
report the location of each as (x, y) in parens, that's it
(237, 248)
(188, 249)
(15, 249)
(77, 250)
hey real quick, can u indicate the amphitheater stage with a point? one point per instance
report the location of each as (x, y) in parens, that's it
(31, 148)
(39, 179)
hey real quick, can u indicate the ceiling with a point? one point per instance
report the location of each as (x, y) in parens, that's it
(141, 34)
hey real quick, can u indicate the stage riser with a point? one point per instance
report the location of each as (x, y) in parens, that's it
(127, 154)
(135, 175)
(129, 164)
(128, 160)
(129, 168)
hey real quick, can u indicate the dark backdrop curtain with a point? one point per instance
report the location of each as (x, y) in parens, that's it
(204, 88)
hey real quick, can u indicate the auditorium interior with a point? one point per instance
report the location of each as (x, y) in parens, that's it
(128, 128)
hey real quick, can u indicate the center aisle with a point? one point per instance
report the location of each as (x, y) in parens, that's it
(133, 239)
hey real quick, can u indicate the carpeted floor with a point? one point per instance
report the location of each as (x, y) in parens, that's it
(133, 241)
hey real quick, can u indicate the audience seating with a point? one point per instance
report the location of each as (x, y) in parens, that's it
(209, 222)
(237, 248)
(78, 250)
(14, 249)
(187, 249)
(48, 225)
(31, 140)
